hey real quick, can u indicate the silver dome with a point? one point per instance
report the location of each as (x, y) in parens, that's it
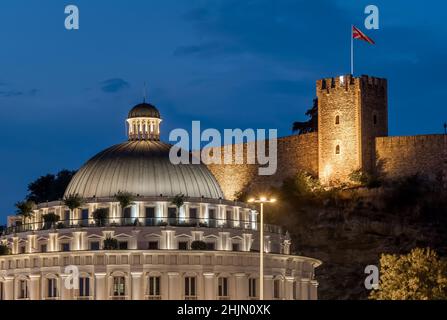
(142, 168)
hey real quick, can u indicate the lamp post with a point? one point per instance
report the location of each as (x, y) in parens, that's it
(261, 201)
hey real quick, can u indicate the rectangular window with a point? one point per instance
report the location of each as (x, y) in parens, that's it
(210, 246)
(276, 288)
(65, 247)
(43, 248)
(150, 216)
(252, 288)
(212, 218)
(190, 288)
(23, 289)
(1, 291)
(52, 288)
(153, 245)
(183, 245)
(193, 214)
(84, 287)
(154, 288)
(22, 249)
(229, 218)
(66, 217)
(84, 217)
(172, 216)
(222, 288)
(122, 245)
(119, 286)
(235, 246)
(94, 245)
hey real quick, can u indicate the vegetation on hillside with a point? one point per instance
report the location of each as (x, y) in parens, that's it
(419, 275)
(350, 227)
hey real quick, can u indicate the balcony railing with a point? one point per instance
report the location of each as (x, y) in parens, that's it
(140, 222)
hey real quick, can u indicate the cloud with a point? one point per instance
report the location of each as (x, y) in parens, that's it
(114, 85)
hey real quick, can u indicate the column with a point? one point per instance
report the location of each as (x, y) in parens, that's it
(224, 241)
(247, 241)
(288, 292)
(66, 291)
(52, 242)
(31, 245)
(240, 291)
(209, 287)
(314, 290)
(101, 287)
(9, 288)
(268, 287)
(174, 286)
(304, 289)
(137, 290)
(34, 287)
(133, 243)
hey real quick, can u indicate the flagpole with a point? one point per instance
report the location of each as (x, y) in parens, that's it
(352, 50)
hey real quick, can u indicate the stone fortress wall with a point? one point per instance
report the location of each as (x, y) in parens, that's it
(295, 153)
(404, 156)
(361, 134)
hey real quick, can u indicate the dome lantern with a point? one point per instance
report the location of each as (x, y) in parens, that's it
(143, 123)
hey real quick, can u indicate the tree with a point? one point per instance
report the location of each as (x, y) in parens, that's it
(312, 124)
(125, 199)
(49, 187)
(50, 219)
(25, 209)
(178, 200)
(419, 275)
(73, 202)
(100, 215)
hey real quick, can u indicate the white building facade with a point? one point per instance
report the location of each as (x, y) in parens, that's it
(205, 248)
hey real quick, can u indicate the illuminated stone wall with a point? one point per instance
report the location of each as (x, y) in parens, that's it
(295, 153)
(353, 115)
(404, 156)
(352, 112)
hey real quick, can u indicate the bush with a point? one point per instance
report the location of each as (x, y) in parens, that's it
(100, 216)
(365, 179)
(419, 275)
(4, 250)
(110, 244)
(198, 245)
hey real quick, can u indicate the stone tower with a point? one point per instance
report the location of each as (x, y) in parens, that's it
(352, 112)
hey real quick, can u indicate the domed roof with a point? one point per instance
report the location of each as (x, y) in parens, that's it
(144, 110)
(142, 168)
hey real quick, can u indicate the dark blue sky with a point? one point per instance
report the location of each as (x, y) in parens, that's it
(64, 95)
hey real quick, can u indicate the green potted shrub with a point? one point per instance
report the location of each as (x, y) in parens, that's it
(100, 216)
(50, 219)
(110, 243)
(125, 200)
(4, 250)
(73, 202)
(198, 245)
(25, 209)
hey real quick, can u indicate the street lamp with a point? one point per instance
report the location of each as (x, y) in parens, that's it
(261, 200)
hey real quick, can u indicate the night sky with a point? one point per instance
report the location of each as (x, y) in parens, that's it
(64, 95)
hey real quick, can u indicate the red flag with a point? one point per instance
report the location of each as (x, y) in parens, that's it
(357, 34)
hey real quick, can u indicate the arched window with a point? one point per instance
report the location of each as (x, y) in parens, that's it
(119, 288)
(337, 149)
(337, 119)
(375, 119)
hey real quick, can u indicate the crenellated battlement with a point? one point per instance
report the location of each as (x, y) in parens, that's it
(349, 82)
